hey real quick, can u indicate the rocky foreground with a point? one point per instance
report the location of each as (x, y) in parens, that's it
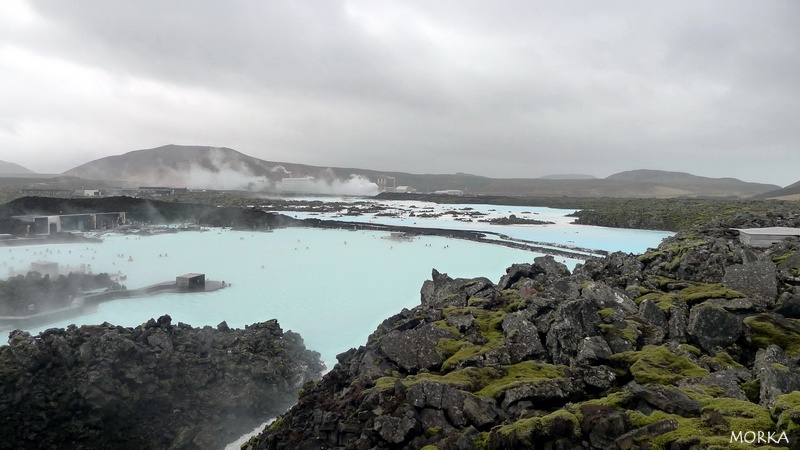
(693, 345)
(155, 386)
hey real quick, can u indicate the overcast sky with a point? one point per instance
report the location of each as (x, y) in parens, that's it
(497, 88)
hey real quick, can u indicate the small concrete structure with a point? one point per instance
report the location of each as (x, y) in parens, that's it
(51, 224)
(766, 237)
(191, 281)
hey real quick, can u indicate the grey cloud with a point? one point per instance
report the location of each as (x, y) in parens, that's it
(443, 86)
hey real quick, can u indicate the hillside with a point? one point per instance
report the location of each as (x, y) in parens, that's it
(225, 168)
(791, 192)
(8, 168)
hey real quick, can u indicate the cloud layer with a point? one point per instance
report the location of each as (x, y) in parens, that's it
(510, 89)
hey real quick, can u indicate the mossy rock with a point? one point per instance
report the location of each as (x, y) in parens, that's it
(490, 325)
(781, 258)
(726, 360)
(629, 333)
(513, 300)
(530, 432)
(663, 300)
(605, 313)
(519, 374)
(489, 381)
(617, 400)
(704, 432)
(659, 365)
(700, 292)
(692, 349)
(786, 407)
(446, 326)
(649, 256)
(767, 330)
(752, 390)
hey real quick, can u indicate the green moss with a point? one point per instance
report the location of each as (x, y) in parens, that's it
(662, 282)
(779, 366)
(490, 326)
(741, 414)
(433, 431)
(616, 400)
(783, 257)
(528, 431)
(676, 261)
(513, 301)
(481, 442)
(470, 379)
(489, 381)
(785, 406)
(695, 294)
(431, 447)
(697, 433)
(691, 349)
(711, 391)
(385, 383)
(448, 347)
(675, 251)
(475, 301)
(649, 256)
(446, 326)
(518, 374)
(663, 300)
(725, 359)
(752, 390)
(657, 364)
(628, 333)
(277, 424)
(766, 332)
(605, 313)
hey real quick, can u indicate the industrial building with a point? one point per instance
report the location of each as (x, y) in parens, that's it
(51, 224)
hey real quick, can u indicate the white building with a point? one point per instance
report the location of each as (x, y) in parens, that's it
(766, 237)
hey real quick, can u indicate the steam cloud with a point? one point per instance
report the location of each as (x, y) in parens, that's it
(221, 173)
(226, 178)
(355, 185)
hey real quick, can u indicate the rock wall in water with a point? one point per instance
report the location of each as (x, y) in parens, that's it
(155, 386)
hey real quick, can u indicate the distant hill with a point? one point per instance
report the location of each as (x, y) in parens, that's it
(225, 168)
(689, 182)
(8, 168)
(791, 192)
(568, 176)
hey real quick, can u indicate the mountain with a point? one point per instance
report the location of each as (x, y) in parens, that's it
(688, 182)
(8, 168)
(791, 192)
(568, 176)
(224, 168)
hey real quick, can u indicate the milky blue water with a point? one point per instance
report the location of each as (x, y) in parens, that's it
(563, 232)
(332, 286)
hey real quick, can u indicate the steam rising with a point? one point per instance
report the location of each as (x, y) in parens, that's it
(226, 178)
(355, 185)
(218, 169)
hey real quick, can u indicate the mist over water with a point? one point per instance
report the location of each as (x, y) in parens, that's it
(332, 286)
